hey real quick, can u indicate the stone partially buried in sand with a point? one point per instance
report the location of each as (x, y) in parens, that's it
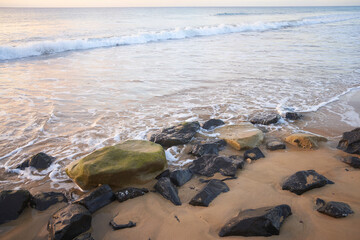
(303, 181)
(264, 221)
(124, 164)
(350, 142)
(333, 209)
(242, 136)
(303, 140)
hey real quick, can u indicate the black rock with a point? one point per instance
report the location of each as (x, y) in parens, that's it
(275, 145)
(264, 221)
(180, 177)
(39, 161)
(303, 181)
(12, 203)
(212, 147)
(116, 226)
(350, 142)
(265, 119)
(176, 135)
(352, 161)
(85, 236)
(165, 173)
(293, 115)
(239, 160)
(212, 123)
(333, 209)
(211, 190)
(42, 201)
(97, 198)
(208, 165)
(167, 190)
(129, 193)
(69, 222)
(253, 154)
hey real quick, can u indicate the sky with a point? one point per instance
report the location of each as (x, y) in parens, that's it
(164, 3)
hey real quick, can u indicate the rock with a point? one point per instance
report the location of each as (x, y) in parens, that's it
(350, 142)
(304, 140)
(85, 236)
(275, 145)
(116, 226)
(265, 118)
(303, 181)
(177, 135)
(213, 147)
(39, 161)
(180, 177)
(167, 190)
(211, 190)
(212, 123)
(208, 165)
(124, 164)
(97, 198)
(69, 222)
(129, 193)
(293, 115)
(352, 161)
(264, 221)
(12, 204)
(238, 160)
(253, 154)
(333, 209)
(242, 136)
(165, 173)
(42, 201)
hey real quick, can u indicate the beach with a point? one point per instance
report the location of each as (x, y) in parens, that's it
(134, 71)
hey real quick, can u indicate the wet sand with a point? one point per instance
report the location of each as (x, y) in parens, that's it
(257, 185)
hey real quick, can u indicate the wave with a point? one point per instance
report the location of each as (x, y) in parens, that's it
(231, 14)
(58, 46)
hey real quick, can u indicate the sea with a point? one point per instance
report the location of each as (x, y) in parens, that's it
(73, 80)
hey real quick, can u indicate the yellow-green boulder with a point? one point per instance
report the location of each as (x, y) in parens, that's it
(304, 140)
(241, 136)
(127, 163)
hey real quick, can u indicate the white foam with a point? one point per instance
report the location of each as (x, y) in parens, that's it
(50, 47)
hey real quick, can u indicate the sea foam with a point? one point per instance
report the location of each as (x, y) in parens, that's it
(50, 47)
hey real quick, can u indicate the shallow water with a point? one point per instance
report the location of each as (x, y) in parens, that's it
(74, 80)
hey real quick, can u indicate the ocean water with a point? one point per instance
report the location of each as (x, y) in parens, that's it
(75, 80)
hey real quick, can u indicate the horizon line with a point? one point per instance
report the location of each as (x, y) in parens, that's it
(280, 6)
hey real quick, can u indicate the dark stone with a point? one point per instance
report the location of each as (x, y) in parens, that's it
(253, 154)
(69, 222)
(265, 119)
(350, 142)
(23, 165)
(352, 161)
(39, 161)
(97, 198)
(116, 226)
(177, 135)
(208, 165)
(167, 190)
(12, 203)
(303, 181)
(275, 145)
(165, 173)
(129, 193)
(333, 209)
(212, 123)
(85, 236)
(239, 160)
(177, 219)
(180, 177)
(212, 147)
(264, 221)
(293, 115)
(42, 201)
(211, 190)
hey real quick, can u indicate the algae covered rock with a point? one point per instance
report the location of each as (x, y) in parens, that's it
(127, 163)
(242, 136)
(304, 140)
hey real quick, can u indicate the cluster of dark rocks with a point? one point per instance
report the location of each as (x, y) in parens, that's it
(74, 220)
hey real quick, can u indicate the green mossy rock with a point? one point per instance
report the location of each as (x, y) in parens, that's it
(124, 164)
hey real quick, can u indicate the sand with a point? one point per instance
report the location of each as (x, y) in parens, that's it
(257, 185)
